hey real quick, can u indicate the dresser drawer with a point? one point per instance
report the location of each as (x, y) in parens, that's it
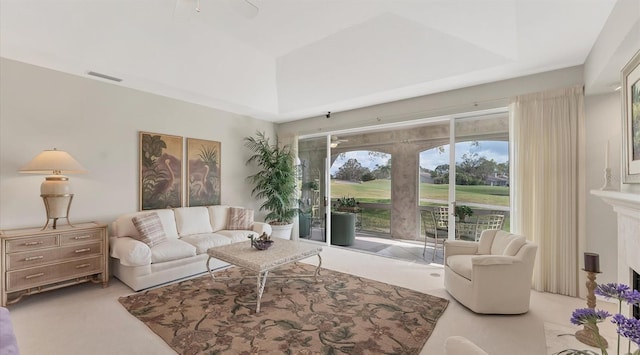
(38, 257)
(79, 237)
(23, 244)
(37, 276)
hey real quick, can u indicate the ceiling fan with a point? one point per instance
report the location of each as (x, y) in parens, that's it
(335, 141)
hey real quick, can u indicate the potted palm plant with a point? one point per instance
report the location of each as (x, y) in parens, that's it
(275, 183)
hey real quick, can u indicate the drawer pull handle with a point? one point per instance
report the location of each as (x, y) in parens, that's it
(81, 266)
(33, 243)
(82, 237)
(34, 275)
(32, 258)
(82, 250)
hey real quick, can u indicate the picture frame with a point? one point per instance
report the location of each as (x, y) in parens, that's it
(203, 172)
(160, 170)
(631, 121)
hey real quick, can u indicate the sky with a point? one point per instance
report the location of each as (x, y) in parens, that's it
(430, 159)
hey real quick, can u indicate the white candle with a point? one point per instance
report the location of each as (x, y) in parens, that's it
(606, 157)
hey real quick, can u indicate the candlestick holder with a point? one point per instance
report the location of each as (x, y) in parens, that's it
(588, 335)
(607, 180)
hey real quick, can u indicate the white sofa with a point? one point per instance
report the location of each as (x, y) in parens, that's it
(189, 231)
(493, 275)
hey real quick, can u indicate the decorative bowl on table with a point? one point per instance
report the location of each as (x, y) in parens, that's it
(263, 242)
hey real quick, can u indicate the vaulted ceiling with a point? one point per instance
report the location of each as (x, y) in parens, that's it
(282, 60)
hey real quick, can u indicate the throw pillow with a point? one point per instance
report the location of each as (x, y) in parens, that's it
(240, 219)
(150, 229)
(514, 246)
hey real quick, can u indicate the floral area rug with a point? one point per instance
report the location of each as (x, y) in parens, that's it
(341, 314)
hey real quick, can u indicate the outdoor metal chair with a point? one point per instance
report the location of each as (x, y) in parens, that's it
(431, 233)
(488, 221)
(441, 215)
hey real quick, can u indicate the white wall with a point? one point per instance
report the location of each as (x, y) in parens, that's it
(98, 123)
(475, 98)
(602, 123)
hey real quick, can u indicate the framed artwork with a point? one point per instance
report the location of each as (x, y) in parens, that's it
(160, 171)
(203, 172)
(631, 120)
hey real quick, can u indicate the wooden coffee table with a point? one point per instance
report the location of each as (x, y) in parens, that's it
(281, 252)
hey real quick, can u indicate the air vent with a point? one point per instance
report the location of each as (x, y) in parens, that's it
(104, 76)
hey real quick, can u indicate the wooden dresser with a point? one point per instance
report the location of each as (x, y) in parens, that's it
(34, 260)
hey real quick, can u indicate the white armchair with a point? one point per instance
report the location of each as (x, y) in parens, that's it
(493, 275)
(457, 345)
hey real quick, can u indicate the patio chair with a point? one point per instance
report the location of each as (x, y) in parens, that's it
(442, 217)
(431, 233)
(486, 222)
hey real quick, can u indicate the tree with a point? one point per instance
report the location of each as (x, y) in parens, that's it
(351, 170)
(440, 174)
(383, 171)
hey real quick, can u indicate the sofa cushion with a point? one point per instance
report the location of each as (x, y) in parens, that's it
(514, 246)
(130, 252)
(150, 229)
(218, 216)
(123, 226)
(461, 265)
(239, 218)
(500, 242)
(171, 250)
(192, 220)
(238, 235)
(202, 242)
(485, 241)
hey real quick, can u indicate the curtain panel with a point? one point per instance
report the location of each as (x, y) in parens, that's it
(545, 175)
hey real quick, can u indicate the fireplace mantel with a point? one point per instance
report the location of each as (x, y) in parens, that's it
(627, 202)
(627, 206)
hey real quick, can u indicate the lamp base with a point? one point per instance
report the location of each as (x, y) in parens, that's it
(57, 206)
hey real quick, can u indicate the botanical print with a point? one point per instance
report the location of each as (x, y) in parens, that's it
(160, 171)
(635, 120)
(340, 314)
(203, 172)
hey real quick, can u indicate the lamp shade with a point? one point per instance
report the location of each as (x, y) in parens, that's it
(53, 162)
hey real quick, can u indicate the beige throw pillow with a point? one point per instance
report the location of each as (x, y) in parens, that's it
(150, 229)
(240, 219)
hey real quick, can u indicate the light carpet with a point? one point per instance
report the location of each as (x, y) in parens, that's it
(561, 337)
(340, 314)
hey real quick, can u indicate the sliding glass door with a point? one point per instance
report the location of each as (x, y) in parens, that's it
(313, 193)
(464, 175)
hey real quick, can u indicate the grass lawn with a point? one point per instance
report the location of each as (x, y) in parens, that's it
(379, 191)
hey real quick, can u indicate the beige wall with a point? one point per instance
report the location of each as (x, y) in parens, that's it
(475, 98)
(98, 123)
(603, 123)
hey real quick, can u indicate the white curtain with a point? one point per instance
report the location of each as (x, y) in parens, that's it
(545, 131)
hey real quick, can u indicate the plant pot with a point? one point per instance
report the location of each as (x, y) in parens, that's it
(304, 224)
(282, 231)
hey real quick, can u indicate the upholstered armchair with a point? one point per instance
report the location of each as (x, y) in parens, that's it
(457, 345)
(493, 275)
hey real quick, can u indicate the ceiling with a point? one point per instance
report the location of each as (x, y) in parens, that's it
(293, 59)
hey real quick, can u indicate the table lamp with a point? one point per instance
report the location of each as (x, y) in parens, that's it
(55, 189)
